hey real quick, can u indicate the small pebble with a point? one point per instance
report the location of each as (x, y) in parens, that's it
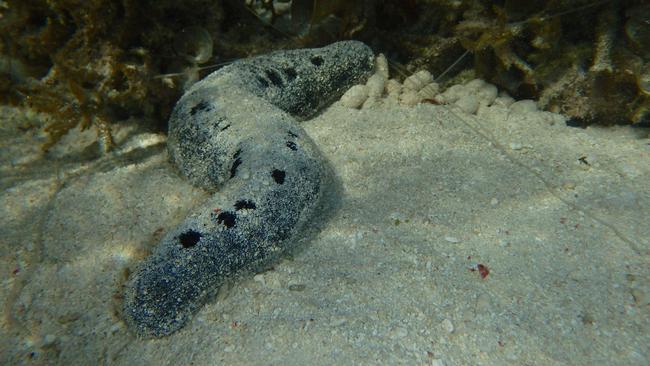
(524, 106)
(451, 239)
(447, 325)
(338, 321)
(398, 332)
(468, 104)
(49, 340)
(516, 146)
(569, 185)
(259, 278)
(297, 287)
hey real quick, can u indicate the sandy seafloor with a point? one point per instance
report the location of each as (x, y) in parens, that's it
(386, 275)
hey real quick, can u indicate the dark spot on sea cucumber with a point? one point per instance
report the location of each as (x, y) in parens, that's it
(292, 145)
(244, 204)
(278, 176)
(291, 73)
(202, 106)
(317, 60)
(227, 218)
(224, 127)
(292, 134)
(235, 164)
(275, 78)
(189, 238)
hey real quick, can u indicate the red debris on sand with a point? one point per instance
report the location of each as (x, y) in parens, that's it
(482, 269)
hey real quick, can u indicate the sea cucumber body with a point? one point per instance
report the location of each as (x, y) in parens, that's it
(236, 132)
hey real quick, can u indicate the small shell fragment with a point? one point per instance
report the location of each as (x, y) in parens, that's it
(418, 80)
(355, 96)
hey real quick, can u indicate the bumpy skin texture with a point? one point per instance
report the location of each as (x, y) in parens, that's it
(236, 131)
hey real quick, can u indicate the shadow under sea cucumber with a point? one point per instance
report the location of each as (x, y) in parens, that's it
(237, 131)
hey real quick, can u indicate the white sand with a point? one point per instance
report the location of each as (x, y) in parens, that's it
(422, 196)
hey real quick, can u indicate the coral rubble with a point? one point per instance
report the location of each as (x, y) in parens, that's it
(96, 62)
(586, 59)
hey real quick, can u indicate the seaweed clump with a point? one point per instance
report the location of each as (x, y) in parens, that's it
(92, 63)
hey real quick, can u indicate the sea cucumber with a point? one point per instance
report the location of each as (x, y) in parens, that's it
(235, 133)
